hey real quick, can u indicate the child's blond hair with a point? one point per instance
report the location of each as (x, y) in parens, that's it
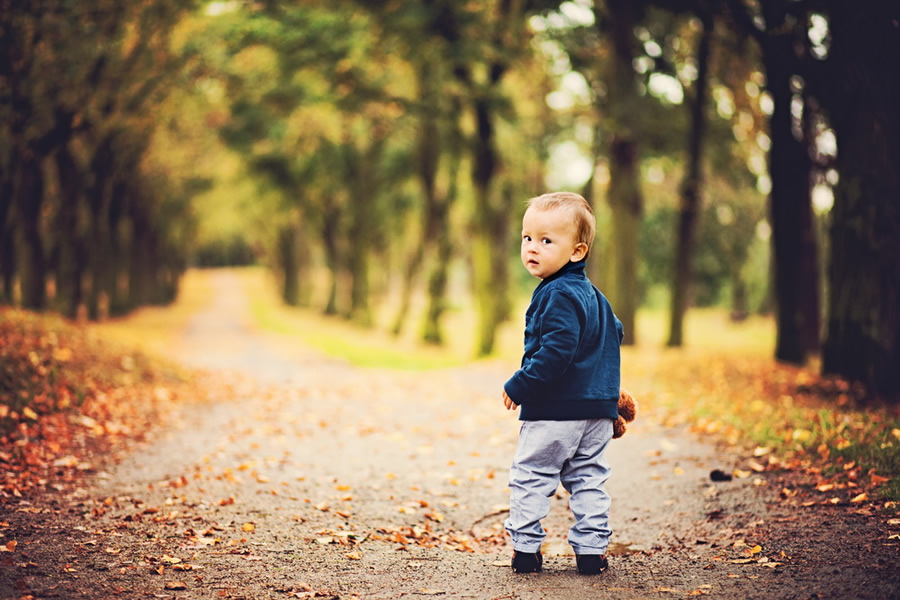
(581, 211)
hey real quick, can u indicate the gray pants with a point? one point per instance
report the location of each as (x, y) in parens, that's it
(571, 452)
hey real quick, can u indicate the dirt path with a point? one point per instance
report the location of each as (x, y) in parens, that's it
(323, 480)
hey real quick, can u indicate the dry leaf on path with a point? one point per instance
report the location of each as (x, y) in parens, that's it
(176, 585)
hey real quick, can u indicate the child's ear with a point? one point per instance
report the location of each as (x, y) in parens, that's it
(580, 251)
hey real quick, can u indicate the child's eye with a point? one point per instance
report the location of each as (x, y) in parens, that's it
(526, 238)
(546, 241)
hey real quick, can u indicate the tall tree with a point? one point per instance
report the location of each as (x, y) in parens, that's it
(860, 88)
(429, 32)
(625, 195)
(780, 30)
(690, 195)
(501, 31)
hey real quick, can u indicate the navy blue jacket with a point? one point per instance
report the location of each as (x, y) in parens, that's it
(571, 366)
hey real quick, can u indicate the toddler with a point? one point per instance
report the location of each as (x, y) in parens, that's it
(567, 388)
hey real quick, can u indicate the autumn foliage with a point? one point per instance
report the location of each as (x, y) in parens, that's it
(782, 418)
(65, 395)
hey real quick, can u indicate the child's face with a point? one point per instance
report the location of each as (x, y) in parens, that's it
(549, 242)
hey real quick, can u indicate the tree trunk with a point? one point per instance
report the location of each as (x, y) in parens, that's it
(490, 257)
(99, 199)
(33, 265)
(624, 196)
(70, 242)
(626, 203)
(7, 266)
(7, 242)
(691, 192)
(863, 341)
(140, 273)
(797, 302)
(437, 280)
(330, 232)
(362, 168)
(117, 297)
(428, 161)
(287, 258)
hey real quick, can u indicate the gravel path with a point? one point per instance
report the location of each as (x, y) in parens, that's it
(321, 480)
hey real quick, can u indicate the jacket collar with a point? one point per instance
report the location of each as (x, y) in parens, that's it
(574, 268)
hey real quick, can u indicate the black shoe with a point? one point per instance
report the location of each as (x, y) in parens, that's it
(591, 564)
(527, 562)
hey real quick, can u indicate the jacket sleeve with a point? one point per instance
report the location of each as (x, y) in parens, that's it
(559, 330)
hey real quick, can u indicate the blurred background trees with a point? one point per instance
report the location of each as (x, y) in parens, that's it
(376, 157)
(89, 209)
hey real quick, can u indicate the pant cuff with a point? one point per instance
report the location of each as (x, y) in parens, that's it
(582, 550)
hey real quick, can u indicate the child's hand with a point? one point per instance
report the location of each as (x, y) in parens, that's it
(508, 403)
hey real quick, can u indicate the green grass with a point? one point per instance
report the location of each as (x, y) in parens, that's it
(362, 347)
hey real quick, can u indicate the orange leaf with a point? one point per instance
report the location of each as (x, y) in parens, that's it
(248, 527)
(878, 479)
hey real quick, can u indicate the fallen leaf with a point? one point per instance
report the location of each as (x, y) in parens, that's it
(801, 435)
(353, 555)
(878, 479)
(864, 497)
(10, 546)
(248, 527)
(175, 585)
